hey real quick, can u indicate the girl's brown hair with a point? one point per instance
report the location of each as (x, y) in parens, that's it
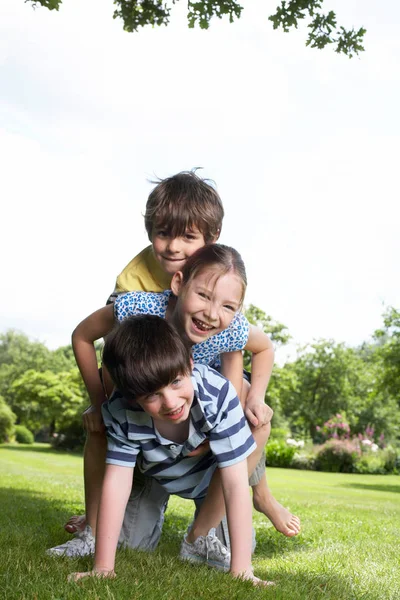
(223, 258)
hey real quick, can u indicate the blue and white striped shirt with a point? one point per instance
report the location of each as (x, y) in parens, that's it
(216, 415)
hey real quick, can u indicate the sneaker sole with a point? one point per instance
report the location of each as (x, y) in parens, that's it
(198, 560)
(218, 566)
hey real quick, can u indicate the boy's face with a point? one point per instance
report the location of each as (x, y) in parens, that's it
(171, 403)
(173, 252)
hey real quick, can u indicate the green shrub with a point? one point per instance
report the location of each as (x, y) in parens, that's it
(391, 460)
(7, 420)
(279, 454)
(370, 464)
(279, 433)
(71, 437)
(23, 435)
(305, 461)
(337, 456)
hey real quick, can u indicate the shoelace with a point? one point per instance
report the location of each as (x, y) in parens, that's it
(214, 544)
(80, 538)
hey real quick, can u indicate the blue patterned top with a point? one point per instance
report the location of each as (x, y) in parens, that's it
(207, 353)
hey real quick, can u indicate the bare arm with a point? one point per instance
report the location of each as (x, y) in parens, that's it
(262, 362)
(95, 326)
(235, 487)
(114, 497)
(232, 369)
(117, 486)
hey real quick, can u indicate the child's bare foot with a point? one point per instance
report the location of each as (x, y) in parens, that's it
(75, 524)
(280, 517)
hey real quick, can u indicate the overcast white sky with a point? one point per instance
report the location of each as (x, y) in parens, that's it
(303, 146)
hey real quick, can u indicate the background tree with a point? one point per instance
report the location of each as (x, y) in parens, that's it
(7, 420)
(47, 399)
(323, 27)
(278, 332)
(329, 378)
(326, 378)
(19, 354)
(388, 352)
(280, 336)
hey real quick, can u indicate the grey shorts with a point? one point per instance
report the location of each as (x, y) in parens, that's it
(259, 471)
(145, 511)
(144, 515)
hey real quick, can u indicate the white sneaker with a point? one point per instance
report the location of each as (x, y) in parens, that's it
(207, 549)
(82, 545)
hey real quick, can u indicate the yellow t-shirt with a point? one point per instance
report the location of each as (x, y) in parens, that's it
(143, 274)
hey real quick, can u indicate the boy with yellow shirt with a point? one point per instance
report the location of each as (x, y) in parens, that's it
(183, 213)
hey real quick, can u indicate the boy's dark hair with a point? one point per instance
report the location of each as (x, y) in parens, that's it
(143, 354)
(182, 202)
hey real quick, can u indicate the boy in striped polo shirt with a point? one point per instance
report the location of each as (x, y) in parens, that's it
(164, 409)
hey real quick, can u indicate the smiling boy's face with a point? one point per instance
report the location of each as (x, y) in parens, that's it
(172, 252)
(171, 403)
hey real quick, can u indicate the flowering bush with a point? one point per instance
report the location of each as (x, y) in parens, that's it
(304, 461)
(368, 445)
(292, 442)
(336, 428)
(337, 456)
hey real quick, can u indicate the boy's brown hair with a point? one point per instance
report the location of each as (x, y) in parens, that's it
(184, 201)
(143, 354)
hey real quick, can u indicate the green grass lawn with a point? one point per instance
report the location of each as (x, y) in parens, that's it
(349, 547)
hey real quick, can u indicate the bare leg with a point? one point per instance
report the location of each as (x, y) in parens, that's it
(263, 500)
(213, 508)
(282, 519)
(93, 471)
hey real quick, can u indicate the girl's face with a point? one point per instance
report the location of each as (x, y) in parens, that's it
(207, 304)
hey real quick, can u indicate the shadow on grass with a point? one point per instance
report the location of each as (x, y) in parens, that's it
(31, 518)
(394, 489)
(311, 585)
(270, 543)
(41, 448)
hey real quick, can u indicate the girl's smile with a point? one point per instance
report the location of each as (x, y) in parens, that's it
(207, 304)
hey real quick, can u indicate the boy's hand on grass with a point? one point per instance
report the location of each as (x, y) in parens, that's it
(249, 576)
(258, 413)
(92, 419)
(93, 573)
